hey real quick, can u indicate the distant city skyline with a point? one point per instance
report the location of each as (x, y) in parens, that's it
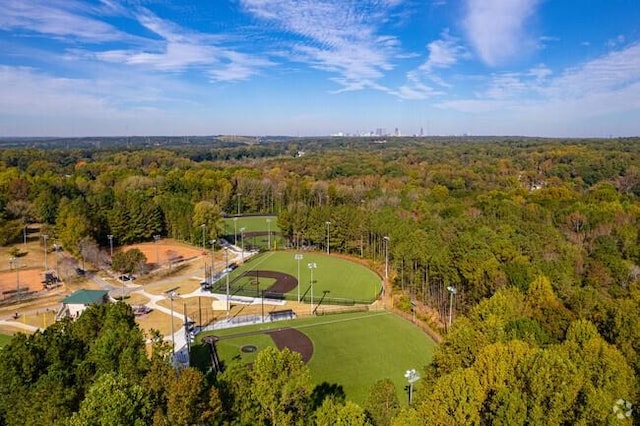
(320, 67)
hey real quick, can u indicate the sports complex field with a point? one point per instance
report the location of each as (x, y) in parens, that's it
(335, 280)
(256, 231)
(353, 350)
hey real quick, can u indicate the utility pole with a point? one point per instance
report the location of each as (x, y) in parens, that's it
(45, 237)
(110, 237)
(298, 258)
(226, 261)
(386, 258)
(312, 266)
(453, 291)
(269, 233)
(328, 226)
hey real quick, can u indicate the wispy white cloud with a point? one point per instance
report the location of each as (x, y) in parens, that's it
(179, 49)
(175, 48)
(444, 53)
(497, 29)
(58, 18)
(607, 85)
(339, 36)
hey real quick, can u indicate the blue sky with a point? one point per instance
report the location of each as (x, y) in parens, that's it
(563, 68)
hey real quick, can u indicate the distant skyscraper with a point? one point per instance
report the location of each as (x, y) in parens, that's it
(421, 132)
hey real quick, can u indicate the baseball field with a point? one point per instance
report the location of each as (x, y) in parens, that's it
(353, 350)
(335, 280)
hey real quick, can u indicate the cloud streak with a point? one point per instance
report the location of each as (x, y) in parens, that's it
(180, 49)
(337, 36)
(607, 85)
(444, 53)
(67, 18)
(497, 28)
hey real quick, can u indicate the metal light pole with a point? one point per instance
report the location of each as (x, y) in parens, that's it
(122, 288)
(110, 237)
(155, 243)
(269, 232)
(386, 258)
(242, 241)
(45, 237)
(57, 249)
(298, 258)
(453, 291)
(173, 339)
(213, 243)
(204, 228)
(226, 261)
(328, 225)
(235, 231)
(15, 263)
(312, 266)
(412, 377)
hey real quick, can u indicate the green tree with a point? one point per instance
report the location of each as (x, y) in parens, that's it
(455, 399)
(337, 413)
(382, 403)
(72, 224)
(113, 400)
(129, 261)
(281, 384)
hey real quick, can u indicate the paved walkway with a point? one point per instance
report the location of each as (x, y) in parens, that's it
(18, 324)
(179, 337)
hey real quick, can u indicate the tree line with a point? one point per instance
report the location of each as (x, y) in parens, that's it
(481, 216)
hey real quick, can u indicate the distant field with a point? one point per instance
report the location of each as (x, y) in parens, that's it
(340, 278)
(353, 350)
(253, 225)
(4, 340)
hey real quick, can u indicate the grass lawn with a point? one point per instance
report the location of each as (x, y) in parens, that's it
(251, 224)
(248, 284)
(4, 340)
(339, 277)
(231, 229)
(353, 350)
(229, 350)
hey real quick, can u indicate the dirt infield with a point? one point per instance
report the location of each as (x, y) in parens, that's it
(286, 337)
(165, 251)
(284, 282)
(294, 340)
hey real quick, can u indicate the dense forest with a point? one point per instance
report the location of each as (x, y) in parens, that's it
(540, 239)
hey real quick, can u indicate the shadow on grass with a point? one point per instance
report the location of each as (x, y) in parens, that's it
(325, 390)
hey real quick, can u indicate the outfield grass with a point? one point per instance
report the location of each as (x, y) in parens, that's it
(4, 340)
(352, 350)
(254, 224)
(341, 278)
(251, 224)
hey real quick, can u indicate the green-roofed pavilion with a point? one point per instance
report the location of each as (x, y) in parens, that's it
(74, 304)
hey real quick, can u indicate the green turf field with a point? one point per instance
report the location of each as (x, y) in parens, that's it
(340, 278)
(4, 340)
(251, 224)
(231, 229)
(353, 350)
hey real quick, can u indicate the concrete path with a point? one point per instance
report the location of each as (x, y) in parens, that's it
(21, 325)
